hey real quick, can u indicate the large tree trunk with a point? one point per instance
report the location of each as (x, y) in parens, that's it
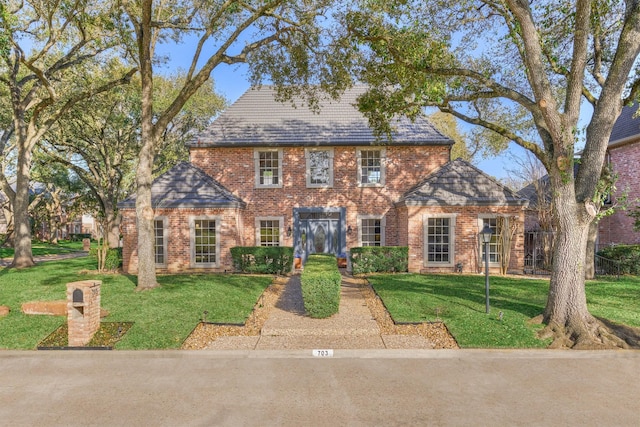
(144, 210)
(23, 256)
(566, 314)
(590, 255)
(112, 231)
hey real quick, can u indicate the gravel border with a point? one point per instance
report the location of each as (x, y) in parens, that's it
(435, 333)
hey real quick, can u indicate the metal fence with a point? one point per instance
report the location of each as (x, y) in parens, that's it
(538, 249)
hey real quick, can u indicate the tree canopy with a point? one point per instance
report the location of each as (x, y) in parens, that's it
(521, 72)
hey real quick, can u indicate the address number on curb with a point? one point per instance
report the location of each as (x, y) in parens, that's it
(322, 353)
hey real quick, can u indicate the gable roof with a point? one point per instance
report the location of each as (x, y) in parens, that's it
(626, 127)
(186, 186)
(257, 119)
(459, 183)
(532, 191)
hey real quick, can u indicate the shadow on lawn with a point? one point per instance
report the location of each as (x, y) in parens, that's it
(469, 292)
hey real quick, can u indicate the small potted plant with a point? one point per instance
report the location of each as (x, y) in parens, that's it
(342, 260)
(297, 260)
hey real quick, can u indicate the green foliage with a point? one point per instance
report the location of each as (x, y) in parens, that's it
(112, 260)
(162, 318)
(262, 259)
(627, 255)
(379, 259)
(321, 282)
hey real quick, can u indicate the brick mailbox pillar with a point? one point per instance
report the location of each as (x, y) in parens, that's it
(83, 311)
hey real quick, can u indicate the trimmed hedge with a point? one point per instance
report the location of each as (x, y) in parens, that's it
(379, 259)
(321, 281)
(627, 255)
(262, 259)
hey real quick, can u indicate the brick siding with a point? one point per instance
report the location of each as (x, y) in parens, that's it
(618, 228)
(234, 169)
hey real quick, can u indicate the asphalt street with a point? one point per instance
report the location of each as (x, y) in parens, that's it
(350, 388)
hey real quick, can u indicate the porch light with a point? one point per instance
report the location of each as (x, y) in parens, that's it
(485, 236)
(289, 231)
(349, 230)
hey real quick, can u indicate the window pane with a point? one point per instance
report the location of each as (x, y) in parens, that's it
(269, 233)
(370, 166)
(494, 244)
(438, 236)
(319, 167)
(158, 232)
(269, 164)
(371, 232)
(205, 241)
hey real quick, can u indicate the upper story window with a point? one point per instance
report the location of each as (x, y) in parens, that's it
(319, 167)
(371, 171)
(268, 168)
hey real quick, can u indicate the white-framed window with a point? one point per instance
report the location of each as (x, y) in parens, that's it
(160, 240)
(494, 244)
(439, 239)
(268, 167)
(205, 241)
(371, 230)
(371, 166)
(269, 231)
(319, 163)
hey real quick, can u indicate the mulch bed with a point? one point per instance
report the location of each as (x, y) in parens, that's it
(104, 338)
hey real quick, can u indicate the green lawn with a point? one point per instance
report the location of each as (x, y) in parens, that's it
(163, 317)
(42, 248)
(459, 301)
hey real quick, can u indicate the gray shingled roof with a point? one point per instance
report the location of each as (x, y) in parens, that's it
(186, 186)
(257, 119)
(626, 126)
(458, 183)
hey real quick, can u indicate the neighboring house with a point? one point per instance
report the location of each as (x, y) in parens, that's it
(268, 174)
(623, 155)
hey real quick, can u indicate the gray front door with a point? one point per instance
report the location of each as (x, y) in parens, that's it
(323, 236)
(318, 230)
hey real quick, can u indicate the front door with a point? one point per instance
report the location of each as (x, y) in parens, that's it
(323, 236)
(318, 231)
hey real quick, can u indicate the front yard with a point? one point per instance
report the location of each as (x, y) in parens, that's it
(459, 301)
(163, 317)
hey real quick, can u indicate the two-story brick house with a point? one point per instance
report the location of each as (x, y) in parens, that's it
(269, 173)
(623, 154)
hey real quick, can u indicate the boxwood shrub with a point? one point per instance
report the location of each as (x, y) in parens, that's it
(627, 255)
(321, 281)
(262, 259)
(379, 259)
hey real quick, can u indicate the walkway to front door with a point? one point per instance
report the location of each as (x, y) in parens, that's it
(280, 323)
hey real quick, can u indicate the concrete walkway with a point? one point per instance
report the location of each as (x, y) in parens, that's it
(353, 327)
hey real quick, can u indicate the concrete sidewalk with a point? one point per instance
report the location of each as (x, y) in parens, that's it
(353, 327)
